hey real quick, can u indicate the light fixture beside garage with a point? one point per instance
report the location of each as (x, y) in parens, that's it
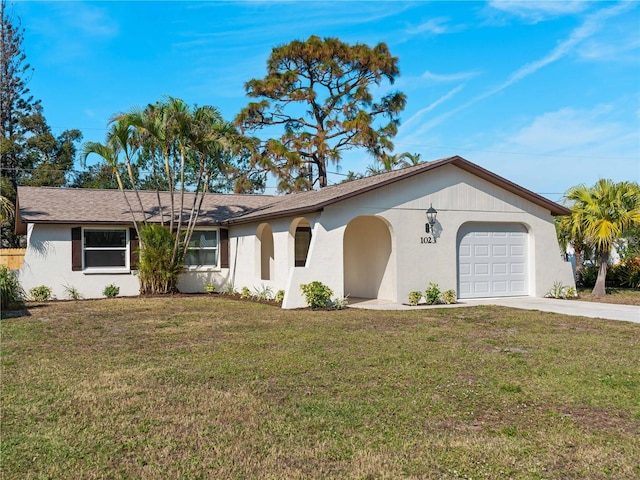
(431, 219)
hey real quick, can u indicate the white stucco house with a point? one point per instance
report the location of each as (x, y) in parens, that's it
(369, 238)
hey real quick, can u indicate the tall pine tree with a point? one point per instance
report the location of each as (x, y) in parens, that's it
(29, 152)
(15, 101)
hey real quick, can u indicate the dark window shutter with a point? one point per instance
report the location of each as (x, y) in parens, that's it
(76, 249)
(134, 245)
(224, 248)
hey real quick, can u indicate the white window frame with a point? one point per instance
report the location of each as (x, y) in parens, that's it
(105, 269)
(204, 268)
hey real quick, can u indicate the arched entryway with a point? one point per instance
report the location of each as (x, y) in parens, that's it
(264, 235)
(368, 271)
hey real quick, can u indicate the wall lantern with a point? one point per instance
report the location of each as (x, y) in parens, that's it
(431, 218)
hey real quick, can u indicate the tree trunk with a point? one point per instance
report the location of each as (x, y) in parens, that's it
(322, 174)
(577, 253)
(599, 288)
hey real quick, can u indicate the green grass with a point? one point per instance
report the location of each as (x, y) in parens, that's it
(206, 387)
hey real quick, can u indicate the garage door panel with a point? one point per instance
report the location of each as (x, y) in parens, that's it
(517, 268)
(499, 269)
(499, 250)
(500, 288)
(492, 260)
(481, 269)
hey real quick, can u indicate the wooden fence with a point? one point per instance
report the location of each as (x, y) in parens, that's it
(12, 257)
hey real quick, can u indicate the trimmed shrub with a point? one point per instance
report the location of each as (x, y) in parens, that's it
(450, 297)
(245, 293)
(41, 293)
(316, 294)
(111, 291)
(279, 296)
(432, 294)
(414, 298)
(210, 288)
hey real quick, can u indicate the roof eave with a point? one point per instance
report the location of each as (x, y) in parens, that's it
(273, 216)
(19, 225)
(321, 205)
(554, 208)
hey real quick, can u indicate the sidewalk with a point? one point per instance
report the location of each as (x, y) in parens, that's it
(609, 311)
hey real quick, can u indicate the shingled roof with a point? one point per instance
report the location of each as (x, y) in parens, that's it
(77, 206)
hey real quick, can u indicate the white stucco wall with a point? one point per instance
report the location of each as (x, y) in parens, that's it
(47, 262)
(459, 197)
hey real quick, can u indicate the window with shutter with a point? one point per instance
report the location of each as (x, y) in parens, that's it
(224, 248)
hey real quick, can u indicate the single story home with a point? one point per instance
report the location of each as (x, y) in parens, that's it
(447, 221)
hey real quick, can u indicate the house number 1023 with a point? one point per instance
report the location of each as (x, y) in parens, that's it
(424, 240)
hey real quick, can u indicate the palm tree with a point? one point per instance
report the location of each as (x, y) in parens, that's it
(6, 209)
(570, 233)
(154, 133)
(389, 162)
(119, 141)
(210, 137)
(109, 154)
(184, 146)
(407, 159)
(603, 213)
(123, 139)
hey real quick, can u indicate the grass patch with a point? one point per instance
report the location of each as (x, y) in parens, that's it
(624, 296)
(207, 387)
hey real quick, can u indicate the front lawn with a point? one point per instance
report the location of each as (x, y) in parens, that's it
(623, 296)
(204, 387)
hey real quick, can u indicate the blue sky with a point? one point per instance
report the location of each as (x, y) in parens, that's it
(546, 94)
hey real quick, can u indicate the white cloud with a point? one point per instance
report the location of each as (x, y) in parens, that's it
(592, 24)
(559, 149)
(588, 28)
(620, 50)
(451, 77)
(70, 31)
(566, 129)
(420, 113)
(537, 11)
(86, 19)
(435, 26)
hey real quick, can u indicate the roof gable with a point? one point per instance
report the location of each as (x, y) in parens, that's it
(77, 206)
(316, 200)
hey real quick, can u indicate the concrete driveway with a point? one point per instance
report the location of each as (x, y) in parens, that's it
(610, 311)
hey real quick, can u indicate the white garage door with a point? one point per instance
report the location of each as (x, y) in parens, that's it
(492, 260)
